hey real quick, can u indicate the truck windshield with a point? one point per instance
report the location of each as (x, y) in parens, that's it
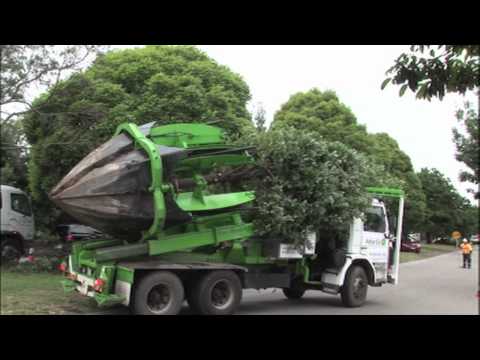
(20, 204)
(374, 220)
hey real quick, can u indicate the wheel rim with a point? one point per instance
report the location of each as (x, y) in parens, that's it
(159, 298)
(359, 288)
(221, 295)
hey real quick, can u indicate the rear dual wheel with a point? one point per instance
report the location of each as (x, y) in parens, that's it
(158, 293)
(215, 293)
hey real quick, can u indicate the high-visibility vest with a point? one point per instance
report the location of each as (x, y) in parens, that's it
(466, 248)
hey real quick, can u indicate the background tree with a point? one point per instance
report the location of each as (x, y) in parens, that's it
(24, 66)
(324, 114)
(445, 206)
(13, 155)
(432, 71)
(259, 118)
(166, 84)
(468, 146)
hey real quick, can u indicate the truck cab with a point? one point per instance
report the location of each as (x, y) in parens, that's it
(17, 221)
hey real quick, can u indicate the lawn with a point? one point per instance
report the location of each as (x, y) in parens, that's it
(39, 294)
(428, 250)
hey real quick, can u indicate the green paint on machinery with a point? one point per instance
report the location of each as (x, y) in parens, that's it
(181, 161)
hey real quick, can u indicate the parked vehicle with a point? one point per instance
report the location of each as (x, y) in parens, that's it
(474, 239)
(17, 222)
(75, 232)
(199, 246)
(409, 244)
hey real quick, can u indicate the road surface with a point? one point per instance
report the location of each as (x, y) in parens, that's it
(433, 286)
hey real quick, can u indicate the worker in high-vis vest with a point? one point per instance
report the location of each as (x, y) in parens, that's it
(467, 253)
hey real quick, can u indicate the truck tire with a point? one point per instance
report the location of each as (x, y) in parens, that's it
(296, 289)
(354, 289)
(216, 293)
(158, 293)
(10, 249)
(293, 294)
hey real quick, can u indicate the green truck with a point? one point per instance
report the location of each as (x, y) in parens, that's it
(181, 233)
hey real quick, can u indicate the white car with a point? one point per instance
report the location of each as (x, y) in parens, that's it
(474, 239)
(17, 222)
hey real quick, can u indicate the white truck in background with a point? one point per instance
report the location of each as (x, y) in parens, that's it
(17, 222)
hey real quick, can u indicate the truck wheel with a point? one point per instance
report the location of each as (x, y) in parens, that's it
(354, 289)
(296, 289)
(10, 250)
(216, 293)
(159, 293)
(293, 294)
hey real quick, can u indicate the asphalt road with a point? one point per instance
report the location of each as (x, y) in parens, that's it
(434, 286)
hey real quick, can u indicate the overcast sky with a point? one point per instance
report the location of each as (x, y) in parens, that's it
(423, 129)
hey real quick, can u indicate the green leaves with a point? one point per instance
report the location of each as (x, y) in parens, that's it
(306, 184)
(166, 84)
(403, 89)
(385, 83)
(455, 70)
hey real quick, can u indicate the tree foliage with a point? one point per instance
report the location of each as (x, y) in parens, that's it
(23, 66)
(259, 118)
(434, 71)
(446, 209)
(306, 184)
(13, 156)
(467, 145)
(166, 84)
(324, 114)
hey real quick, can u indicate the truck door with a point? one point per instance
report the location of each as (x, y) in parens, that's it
(21, 217)
(375, 239)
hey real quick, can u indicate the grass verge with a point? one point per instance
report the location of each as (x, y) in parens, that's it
(39, 294)
(427, 251)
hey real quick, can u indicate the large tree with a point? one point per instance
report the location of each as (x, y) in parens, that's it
(324, 114)
(445, 206)
(25, 66)
(166, 84)
(13, 155)
(467, 144)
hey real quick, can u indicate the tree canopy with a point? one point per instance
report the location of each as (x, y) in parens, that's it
(165, 84)
(26, 65)
(446, 209)
(324, 114)
(13, 156)
(433, 72)
(306, 184)
(467, 145)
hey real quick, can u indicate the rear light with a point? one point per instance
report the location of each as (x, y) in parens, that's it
(69, 237)
(98, 285)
